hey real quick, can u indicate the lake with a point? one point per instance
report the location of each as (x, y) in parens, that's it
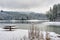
(43, 26)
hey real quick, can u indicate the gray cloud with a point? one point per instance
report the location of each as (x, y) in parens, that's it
(25, 4)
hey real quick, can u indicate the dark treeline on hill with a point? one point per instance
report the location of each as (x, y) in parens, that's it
(54, 13)
(10, 15)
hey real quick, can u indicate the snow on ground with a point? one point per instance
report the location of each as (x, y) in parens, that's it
(19, 33)
(52, 23)
(12, 35)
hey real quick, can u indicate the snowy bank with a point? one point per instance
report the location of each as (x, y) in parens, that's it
(52, 23)
(19, 33)
(12, 35)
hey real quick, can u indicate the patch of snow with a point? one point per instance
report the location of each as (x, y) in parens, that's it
(52, 23)
(13, 35)
(19, 33)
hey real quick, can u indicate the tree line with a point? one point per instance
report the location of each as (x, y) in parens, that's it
(54, 12)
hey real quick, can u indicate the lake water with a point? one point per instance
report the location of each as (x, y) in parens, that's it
(42, 26)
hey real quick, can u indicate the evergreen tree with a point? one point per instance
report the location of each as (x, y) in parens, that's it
(52, 14)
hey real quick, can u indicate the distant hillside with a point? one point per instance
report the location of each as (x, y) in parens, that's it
(9, 15)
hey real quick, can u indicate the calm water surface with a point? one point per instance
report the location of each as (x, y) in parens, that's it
(42, 26)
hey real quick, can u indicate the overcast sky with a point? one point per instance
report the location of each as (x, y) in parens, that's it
(28, 5)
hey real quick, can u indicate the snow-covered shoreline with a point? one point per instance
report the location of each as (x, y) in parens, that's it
(52, 23)
(20, 33)
(12, 35)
